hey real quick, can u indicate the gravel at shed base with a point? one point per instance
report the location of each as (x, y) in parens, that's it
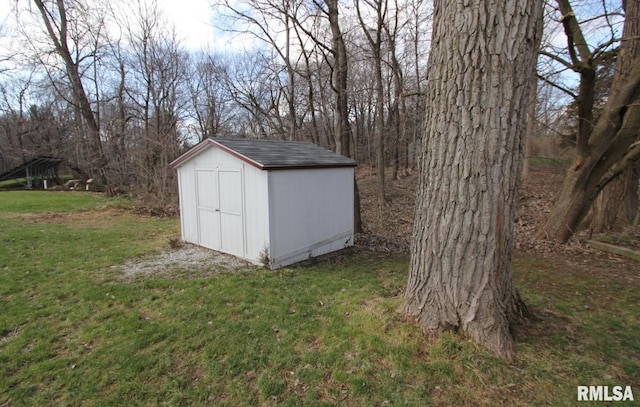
(186, 258)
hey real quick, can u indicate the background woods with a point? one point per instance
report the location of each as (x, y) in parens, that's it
(114, 90)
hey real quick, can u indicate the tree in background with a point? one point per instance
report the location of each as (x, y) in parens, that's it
(210, 103)
(374, 35)
(74, 35)
(607, 145)
(158, 95)
(481, 68)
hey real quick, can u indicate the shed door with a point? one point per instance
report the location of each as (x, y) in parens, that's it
(231, 230)
(208, 212)
(220, 210)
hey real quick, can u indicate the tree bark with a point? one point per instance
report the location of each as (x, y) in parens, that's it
(481, 67)
(612, 144)
(617, 204)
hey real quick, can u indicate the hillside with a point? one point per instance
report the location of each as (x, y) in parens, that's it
(389, 230)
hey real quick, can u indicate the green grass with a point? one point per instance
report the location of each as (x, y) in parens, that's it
(38, 202)
(74, 330)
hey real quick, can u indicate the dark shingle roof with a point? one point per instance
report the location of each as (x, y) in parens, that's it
(272, 154)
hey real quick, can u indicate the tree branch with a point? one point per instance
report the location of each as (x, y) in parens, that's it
(556, 58)
(575, 36)
(555, 85)
(632, 155)
(602, 48)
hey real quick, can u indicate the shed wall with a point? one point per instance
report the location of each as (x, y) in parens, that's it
(256, 212)
(311, 213)
(188, 208)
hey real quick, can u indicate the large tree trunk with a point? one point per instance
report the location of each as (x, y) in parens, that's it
(612, 144)
(481, 67)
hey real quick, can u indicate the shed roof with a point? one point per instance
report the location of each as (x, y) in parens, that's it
(272, 154)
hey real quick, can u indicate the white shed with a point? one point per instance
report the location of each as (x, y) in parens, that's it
(259, 200)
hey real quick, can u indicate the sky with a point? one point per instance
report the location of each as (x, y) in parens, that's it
(192, 19)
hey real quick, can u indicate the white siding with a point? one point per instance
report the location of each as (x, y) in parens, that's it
(311, 213)
(256, 212)
(188, 208)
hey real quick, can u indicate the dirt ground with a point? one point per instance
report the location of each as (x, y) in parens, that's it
(389, 229)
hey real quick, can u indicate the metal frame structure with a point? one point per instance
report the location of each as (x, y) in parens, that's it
(34, 171)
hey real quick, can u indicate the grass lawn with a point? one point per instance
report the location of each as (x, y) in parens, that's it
(74, 330)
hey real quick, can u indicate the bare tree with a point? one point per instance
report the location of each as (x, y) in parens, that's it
(374, 38)
(15, 125)
(480, 73)
(209, 99)
(117, 117)
(7, 53)
(420, 15)
(610, 144)
(157, 87)
(340, 71)
(248, 80)
(271, 22)
(69, 30)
